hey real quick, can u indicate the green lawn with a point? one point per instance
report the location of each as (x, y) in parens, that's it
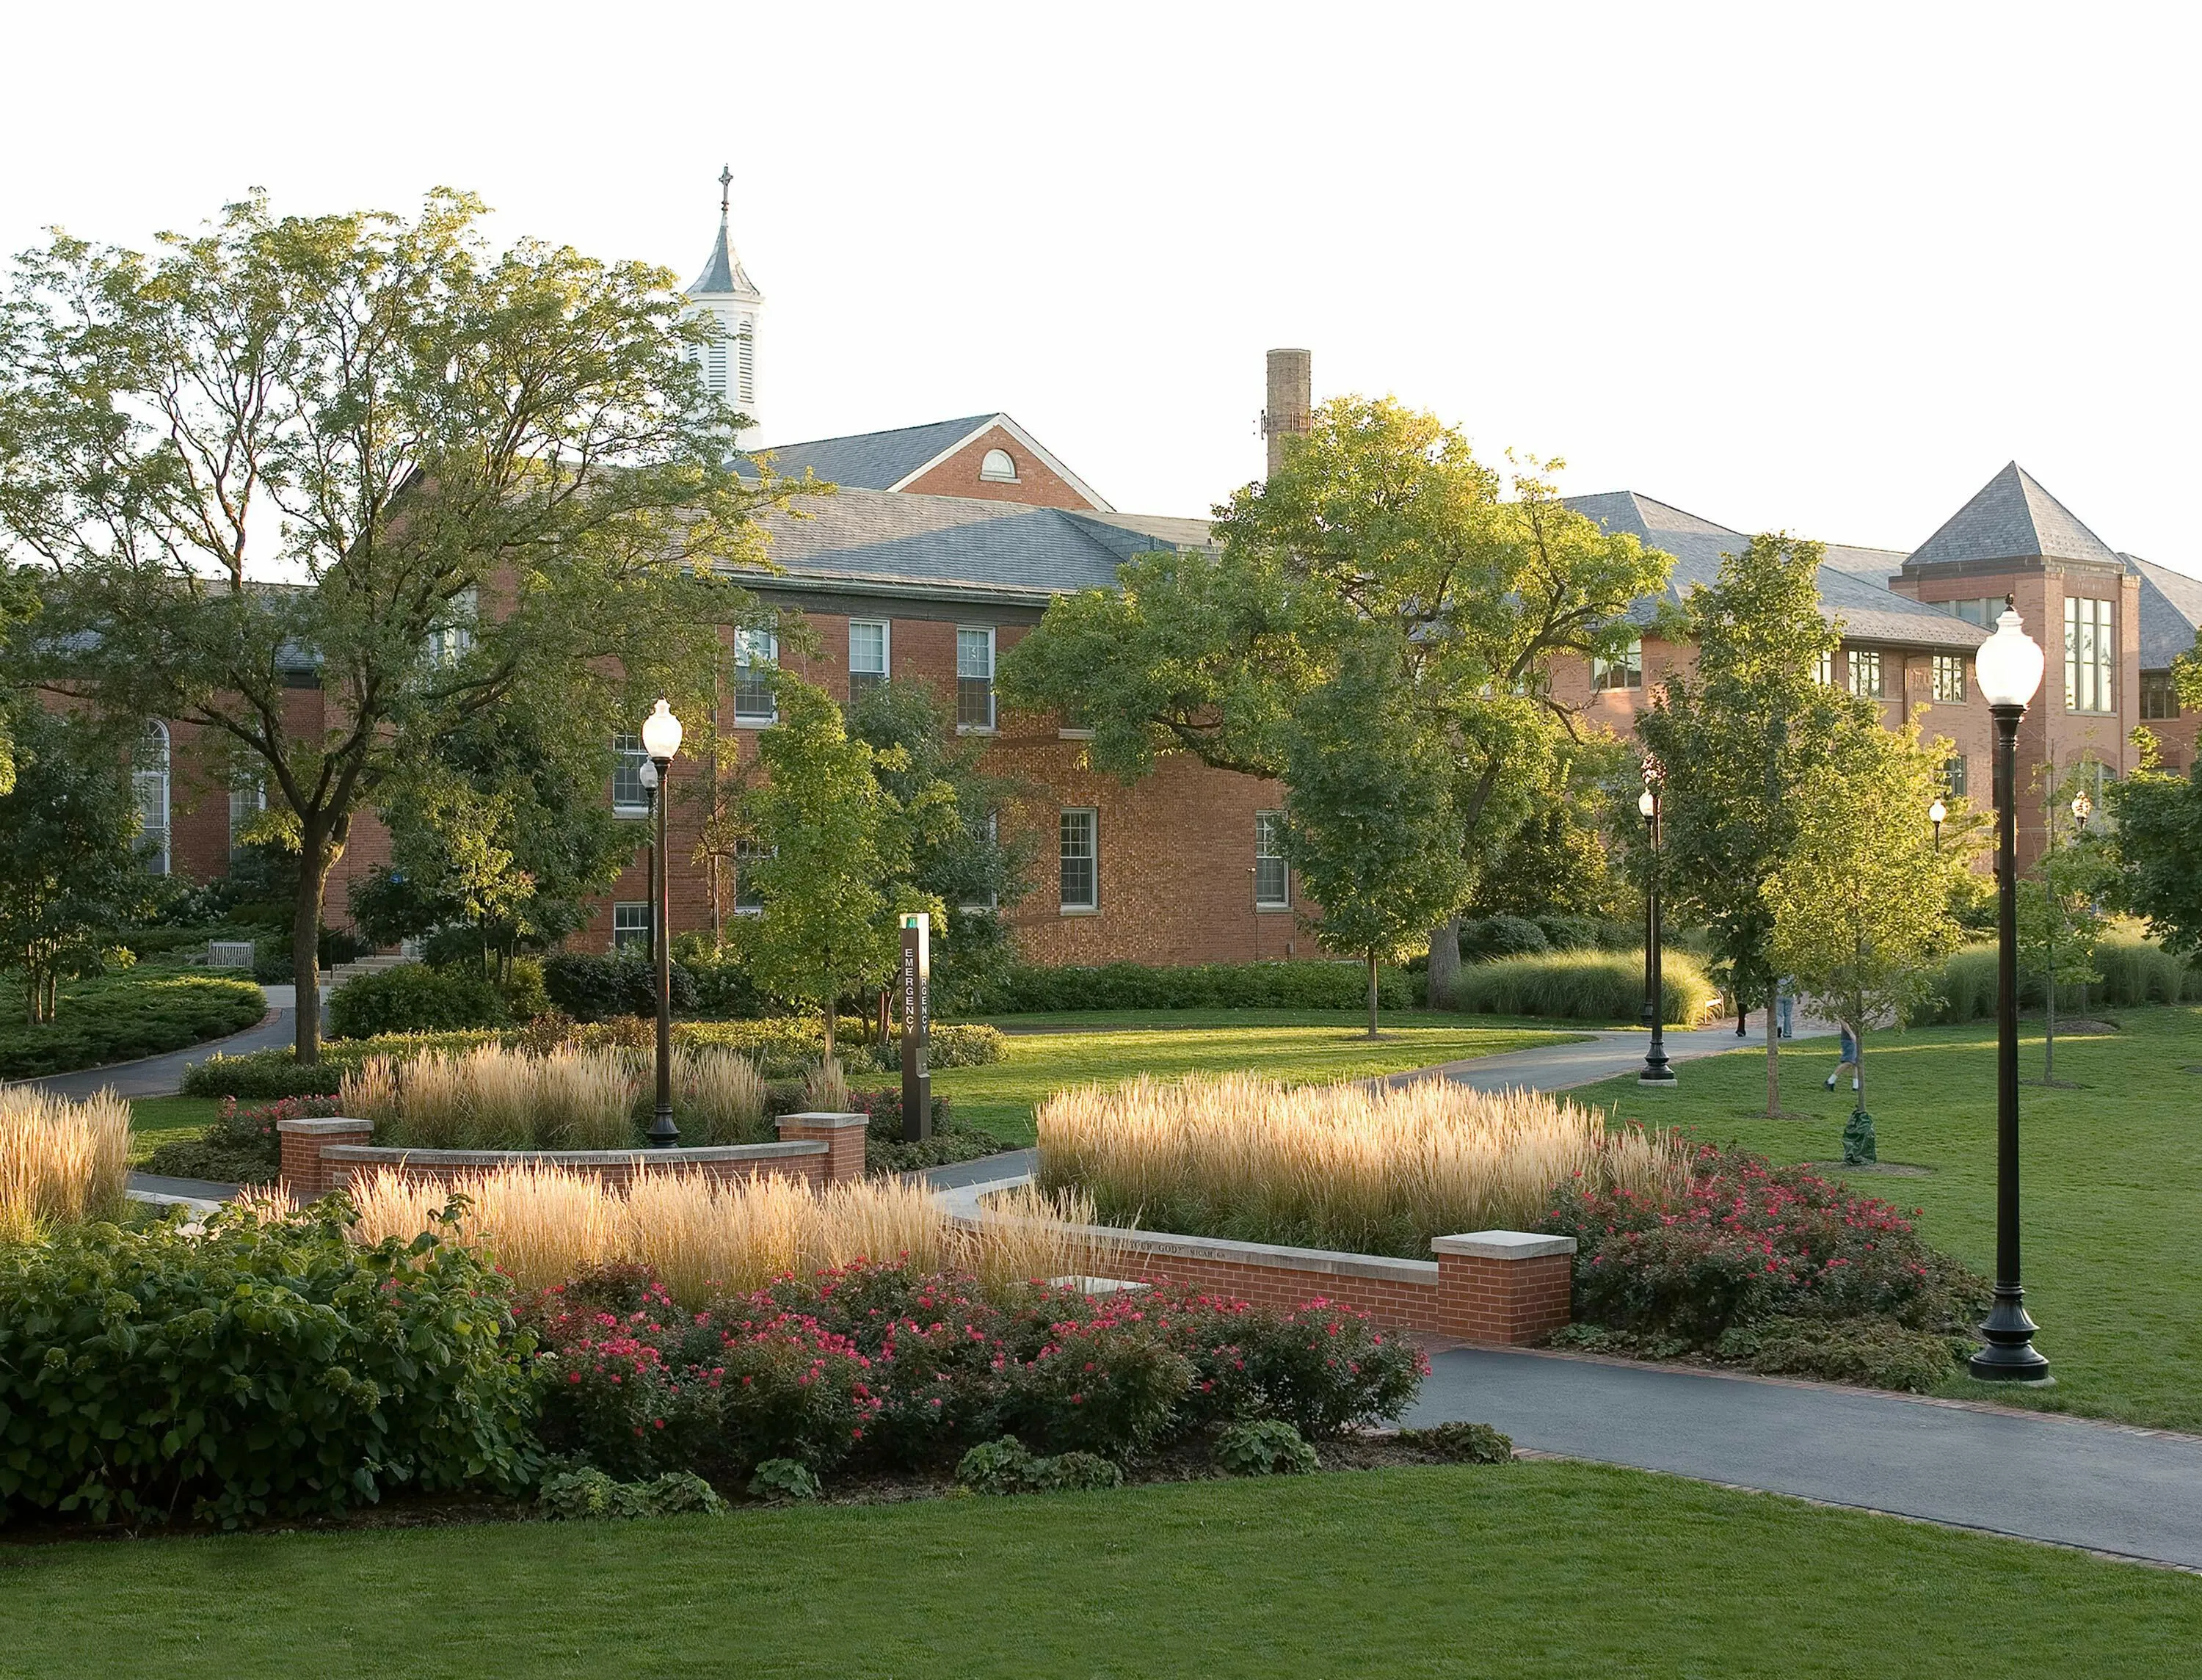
(155, 1121)
(2111, 1180)
(1299, 1047)
(1532, 1569)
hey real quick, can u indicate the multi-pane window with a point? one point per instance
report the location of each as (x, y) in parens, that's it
(453, 638)
(631, 929)
(1082, 859)
(630, 793)
(1949, 676)
(988, 830)
(1983, 609)
(1624, 669)
(1273, 876)
(975, 679)
(1823, 669)
(1865, 672)
(2159, 695)
(149, 779)
(749, 894)
(2090, 649)
(247, 797)
(1953, 775)
(757, 654)
(868, 655)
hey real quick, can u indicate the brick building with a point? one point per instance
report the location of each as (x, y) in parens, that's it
(947, 541)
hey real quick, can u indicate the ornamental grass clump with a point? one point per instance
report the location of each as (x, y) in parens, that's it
(718, 1098)
(1371, 1169)
(61, 1163)
(491, 1097)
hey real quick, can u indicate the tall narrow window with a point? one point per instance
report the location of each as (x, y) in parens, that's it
(629, 797)
(2090, 648)
(247, 797)
(745, 361)
(453, 638)
(868, 655)
(149, 777)
(1625, 670)
(1866, 674)
(1081, 860)
(2159, 695)
(988, 831)
(1823, 669)
(1953, 775)
(975, 679)
(749, 895)
(1273, 876)
(757, 654)
(631, 929)
(1949, 676)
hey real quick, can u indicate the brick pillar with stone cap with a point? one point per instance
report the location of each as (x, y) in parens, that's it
(306, 1173)
(1512, 1287)
(843, 1134)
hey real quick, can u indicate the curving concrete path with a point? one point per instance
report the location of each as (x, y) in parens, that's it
(162, 1075)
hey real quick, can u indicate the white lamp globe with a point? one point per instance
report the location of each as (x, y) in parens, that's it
(1646, 805)
(1938, 813)
(2009, 664)
(661, 730)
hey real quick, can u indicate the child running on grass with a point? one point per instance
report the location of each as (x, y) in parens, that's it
(1850, 1057)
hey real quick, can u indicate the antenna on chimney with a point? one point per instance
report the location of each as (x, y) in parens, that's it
(1291, 400)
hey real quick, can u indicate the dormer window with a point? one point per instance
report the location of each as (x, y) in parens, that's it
(997, 468)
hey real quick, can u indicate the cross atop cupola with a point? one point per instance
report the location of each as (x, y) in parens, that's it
(726, 295)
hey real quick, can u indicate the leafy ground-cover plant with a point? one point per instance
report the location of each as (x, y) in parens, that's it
(1266, 1446)
(121, 1017)
(1749, 1247)
(254, 1368)
(1462, 1443)
(242, 1146)
(588, 1494)
(1005, 1466)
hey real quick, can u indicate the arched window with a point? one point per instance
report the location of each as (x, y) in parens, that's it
(148, 774)
(998, 468)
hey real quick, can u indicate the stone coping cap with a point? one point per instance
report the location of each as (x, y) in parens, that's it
(574, 1157)
(822, 1121)
(1504, 1244)
(333, 1126)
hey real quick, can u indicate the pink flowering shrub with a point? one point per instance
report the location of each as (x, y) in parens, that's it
(1748, 1242)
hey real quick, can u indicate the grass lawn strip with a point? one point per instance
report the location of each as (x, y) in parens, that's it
(155, 1121)
(2110, 1177)
(1000, 1097)
(1539, 1570)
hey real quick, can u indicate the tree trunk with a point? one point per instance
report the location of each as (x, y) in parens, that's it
(317, 860)
(2049, 1043)
(1773, 1046)
(833, 1010)
(1445, 961)
(718, 916)
(1372, 998)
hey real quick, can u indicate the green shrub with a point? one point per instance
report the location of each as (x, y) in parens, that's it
(521, 988)
(414, 998)
(594, 987)
(1501, 936)
(1295, 985)
(724, 989)
(783, 1479)
(1584, 986)
(1462, 1443)
(1269, 1446)
(1004, 1466)
(242, 1146)
(121, 1016)
(1876, 1353)
(588, 1494)
(255, 1369)
(952, 1046)
(1570, 933)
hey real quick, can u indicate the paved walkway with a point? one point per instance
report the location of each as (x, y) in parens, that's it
(1561, 1067)
(2132, 1492)
(163, 1075)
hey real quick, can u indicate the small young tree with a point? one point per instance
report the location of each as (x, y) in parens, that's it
(2060, 919)
(2155, 844)
(1369, 818)
(834, 875)
(69, 870)
(1860, 903)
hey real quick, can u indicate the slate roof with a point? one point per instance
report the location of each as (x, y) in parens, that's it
(875, 460)
(2171, 612)
(1852, 581)
(2013, 518)
(723, 273)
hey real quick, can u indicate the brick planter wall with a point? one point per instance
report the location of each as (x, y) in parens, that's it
(320, 1155)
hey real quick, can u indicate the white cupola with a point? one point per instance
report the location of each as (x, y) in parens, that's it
(725, 295)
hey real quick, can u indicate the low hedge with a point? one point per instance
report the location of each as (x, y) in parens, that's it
(1584, 986)
(1296, 985)
(414, 998)
(594, 987)
(2134, 972)
(119, 1018)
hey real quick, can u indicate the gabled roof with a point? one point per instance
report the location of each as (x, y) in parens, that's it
(2013, 518)
(2171, 612)
(893, 460)
(1852, 581)
(724, 275)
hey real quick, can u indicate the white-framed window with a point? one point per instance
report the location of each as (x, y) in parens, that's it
(2159, 695)
(631, 929)
(630, 794)
(974, 677)
(757, 655)
(1981, 609)
(148, 778)
(1866, 677)
(749, 896)
(1623, 669)
(1949, 676)
(991, 827)
(868, 649)
(1954, 776)
(2091, 652)
(997, 466)
(453, 638)
(247, 797)
(1823, 668)
(1273, 876)
(1080, 852)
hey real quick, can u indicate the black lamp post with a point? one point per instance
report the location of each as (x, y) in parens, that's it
(661, 740)
(2009, 665)
(1656, 1070)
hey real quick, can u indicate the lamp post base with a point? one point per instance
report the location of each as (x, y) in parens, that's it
(2011, 1355)
(1660, 1078)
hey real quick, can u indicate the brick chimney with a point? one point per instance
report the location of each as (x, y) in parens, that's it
(1290, 397)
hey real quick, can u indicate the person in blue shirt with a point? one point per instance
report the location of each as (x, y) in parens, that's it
(1850, 1057)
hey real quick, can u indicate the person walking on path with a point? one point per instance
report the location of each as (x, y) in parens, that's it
(1850, 1057)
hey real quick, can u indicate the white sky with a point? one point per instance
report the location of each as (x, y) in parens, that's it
(1823, 268)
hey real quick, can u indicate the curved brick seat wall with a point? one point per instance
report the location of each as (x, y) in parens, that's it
(320, 1155)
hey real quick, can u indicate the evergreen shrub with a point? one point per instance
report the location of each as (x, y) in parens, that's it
(1289, 985)
(414, 998)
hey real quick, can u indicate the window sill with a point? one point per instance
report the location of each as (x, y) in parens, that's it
(1266, 910)
(974, 729)
(1079, 909)
(1073, 734)
(631, 813)
(742, 722)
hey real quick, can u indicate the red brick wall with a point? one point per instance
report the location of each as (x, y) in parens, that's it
(1038, 484)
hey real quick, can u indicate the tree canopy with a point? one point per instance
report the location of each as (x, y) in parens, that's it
(364, 452)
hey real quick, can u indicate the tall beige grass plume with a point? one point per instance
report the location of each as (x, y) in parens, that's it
(62, 1161)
